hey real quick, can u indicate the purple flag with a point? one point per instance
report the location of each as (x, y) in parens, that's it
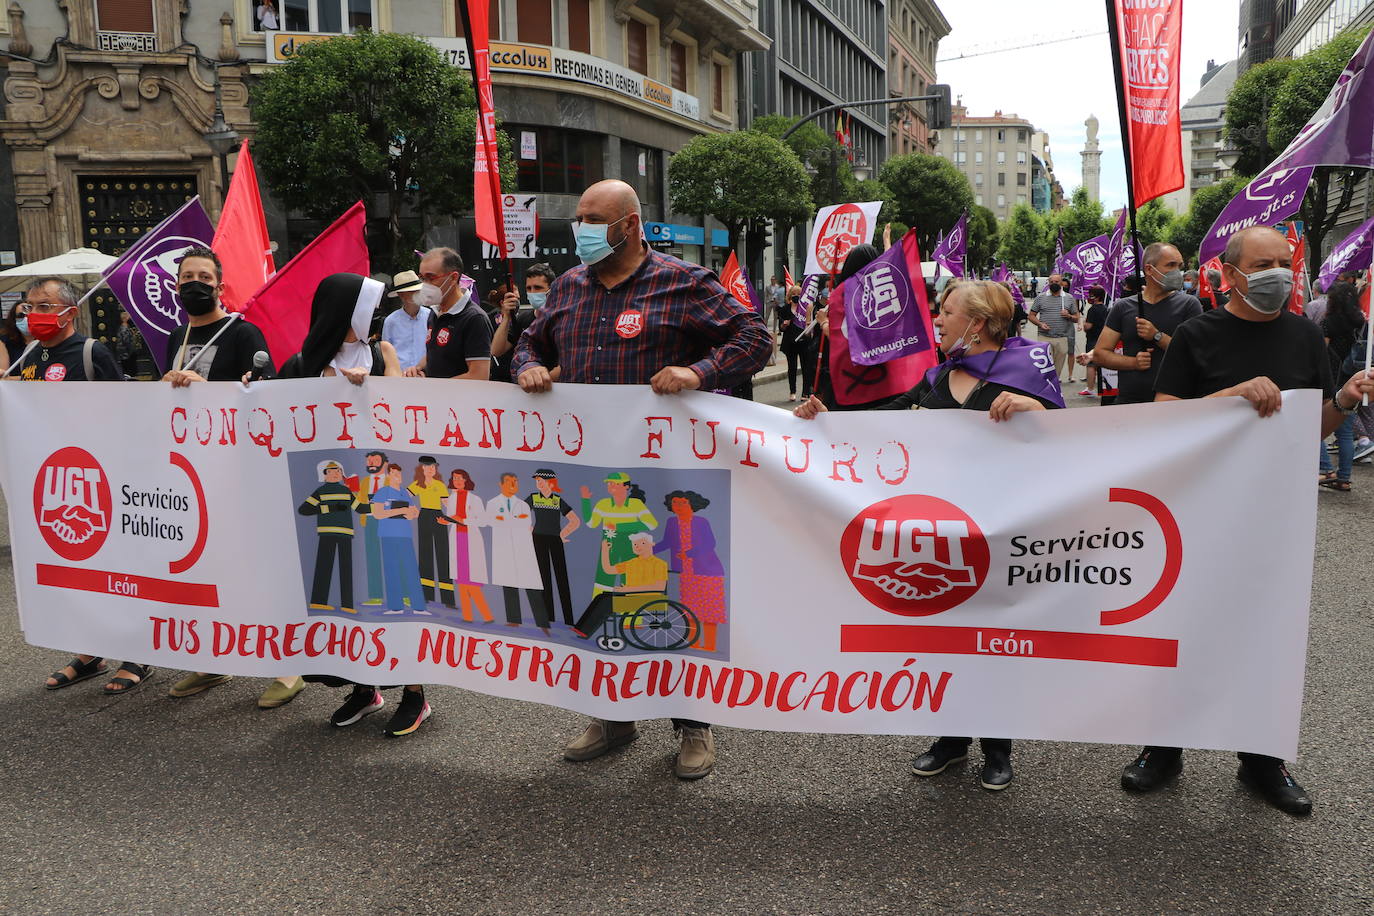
(811, 288)
(1002, 274)
(144, 279)
(886, 312)
(1087, 262)
(1121, 257)
(1341, 132)
(1025, 365)
(1355, 253)
(951, 252)
(1271, 198)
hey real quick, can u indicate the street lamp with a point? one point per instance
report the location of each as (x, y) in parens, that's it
(1229, 155)
(221, 138)
(862, 171)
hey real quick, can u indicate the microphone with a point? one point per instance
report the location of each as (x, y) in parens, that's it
(261, 363)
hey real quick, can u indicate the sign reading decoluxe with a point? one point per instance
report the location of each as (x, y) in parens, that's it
(692, 556)
(538, 59)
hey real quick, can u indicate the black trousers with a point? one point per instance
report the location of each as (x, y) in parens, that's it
(807, 357)
(553, 568)
(330, 546)
(988, 744)
(537, 605)
(1245, 757)
(434, 571)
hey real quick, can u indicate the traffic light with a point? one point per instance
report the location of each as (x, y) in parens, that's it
(939, 107)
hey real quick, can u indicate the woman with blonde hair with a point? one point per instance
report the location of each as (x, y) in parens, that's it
(983, 370)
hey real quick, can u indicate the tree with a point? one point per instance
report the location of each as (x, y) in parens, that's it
(982, 238)
(833, 178)
(1247, 113)
(1081, 220)
(928, 194)
(1023, 239)
(370, 115)
(1152, 222)
(746, 180)
(1187, 233)
(1296, 100)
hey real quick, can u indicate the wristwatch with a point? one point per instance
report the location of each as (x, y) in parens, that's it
(1336, 402)
(1159, 335)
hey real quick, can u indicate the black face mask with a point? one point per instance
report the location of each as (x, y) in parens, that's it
(1054, 287)
(197, 298)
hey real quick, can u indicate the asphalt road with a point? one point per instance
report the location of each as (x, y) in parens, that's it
(144, 804)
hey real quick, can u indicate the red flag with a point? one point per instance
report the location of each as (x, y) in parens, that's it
(486, 160)
(1298, 246)
(241, 239)
(787, 277)
(282, 307)
(839, 129)
(1149, 39)
(736, 283)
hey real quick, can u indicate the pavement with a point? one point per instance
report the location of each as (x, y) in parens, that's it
(145, 804)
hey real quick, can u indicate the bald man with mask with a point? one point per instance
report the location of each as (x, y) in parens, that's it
(1252, 348)
(632, 316)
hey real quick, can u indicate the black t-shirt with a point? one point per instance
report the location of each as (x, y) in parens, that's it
(460, 334)
(65, 363)
(227, 359)
(1167, 315)
(941, 398)
(1097, 317)
(1219, 350)
(500, 365)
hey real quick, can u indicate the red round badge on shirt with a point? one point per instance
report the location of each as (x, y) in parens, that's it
(630, 323)
(55, 373)
(443, 337)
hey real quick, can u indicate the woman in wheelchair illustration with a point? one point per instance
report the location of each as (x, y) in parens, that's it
(638, 612)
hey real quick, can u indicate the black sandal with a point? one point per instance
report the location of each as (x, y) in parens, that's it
(82, 671)
(128, 685)
(1340, 486)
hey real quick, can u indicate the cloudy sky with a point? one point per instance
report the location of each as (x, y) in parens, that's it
(1056, 86)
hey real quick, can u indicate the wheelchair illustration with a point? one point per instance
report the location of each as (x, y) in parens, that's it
(647, 620)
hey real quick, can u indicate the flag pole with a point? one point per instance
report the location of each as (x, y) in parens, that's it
(1114, 30)
(487, 140)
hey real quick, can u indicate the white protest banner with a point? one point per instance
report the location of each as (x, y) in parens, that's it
(522, 227)
(836, 230)
(860, 573)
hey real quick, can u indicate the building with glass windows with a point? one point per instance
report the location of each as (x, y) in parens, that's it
(1006, 160)
(109, 103)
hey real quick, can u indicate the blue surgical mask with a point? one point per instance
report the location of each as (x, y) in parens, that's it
(23, 325)
(592, 246)
(537, 299)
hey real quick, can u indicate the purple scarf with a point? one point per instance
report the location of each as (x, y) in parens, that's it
(1022, 364)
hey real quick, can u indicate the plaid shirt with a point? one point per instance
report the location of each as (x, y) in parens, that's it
(667, 313)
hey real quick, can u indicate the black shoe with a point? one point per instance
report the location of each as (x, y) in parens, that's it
(409, 715)
(1277, 786)
(364, 700)
(996, 771)
(1150, 770)
(940, 756)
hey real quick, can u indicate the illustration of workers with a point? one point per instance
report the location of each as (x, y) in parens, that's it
(375, 479)
(554, 521)
(434, 549)
(393, 515)
(466, 512)
(513, 566)
(642, 572)
(619, 515)
(334, 504)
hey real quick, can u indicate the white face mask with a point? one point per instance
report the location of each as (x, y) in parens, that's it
(429, 295)
(960, 346)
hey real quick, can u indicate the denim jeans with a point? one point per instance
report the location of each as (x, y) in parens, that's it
(1345, 441)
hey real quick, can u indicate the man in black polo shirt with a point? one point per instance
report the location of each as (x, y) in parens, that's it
(1253, 348)
(459, 344)
(61, 354)
(1144, 328)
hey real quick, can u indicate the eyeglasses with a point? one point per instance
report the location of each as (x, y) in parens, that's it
(43, 308)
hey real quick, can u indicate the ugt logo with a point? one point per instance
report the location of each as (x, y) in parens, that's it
(915, 555)
(882, 298)
(72, 502)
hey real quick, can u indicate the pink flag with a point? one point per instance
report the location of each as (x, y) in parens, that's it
(241, 237)
(281, 308)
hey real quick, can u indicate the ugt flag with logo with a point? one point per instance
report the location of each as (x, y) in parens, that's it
(888, 314)
(144, 279)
